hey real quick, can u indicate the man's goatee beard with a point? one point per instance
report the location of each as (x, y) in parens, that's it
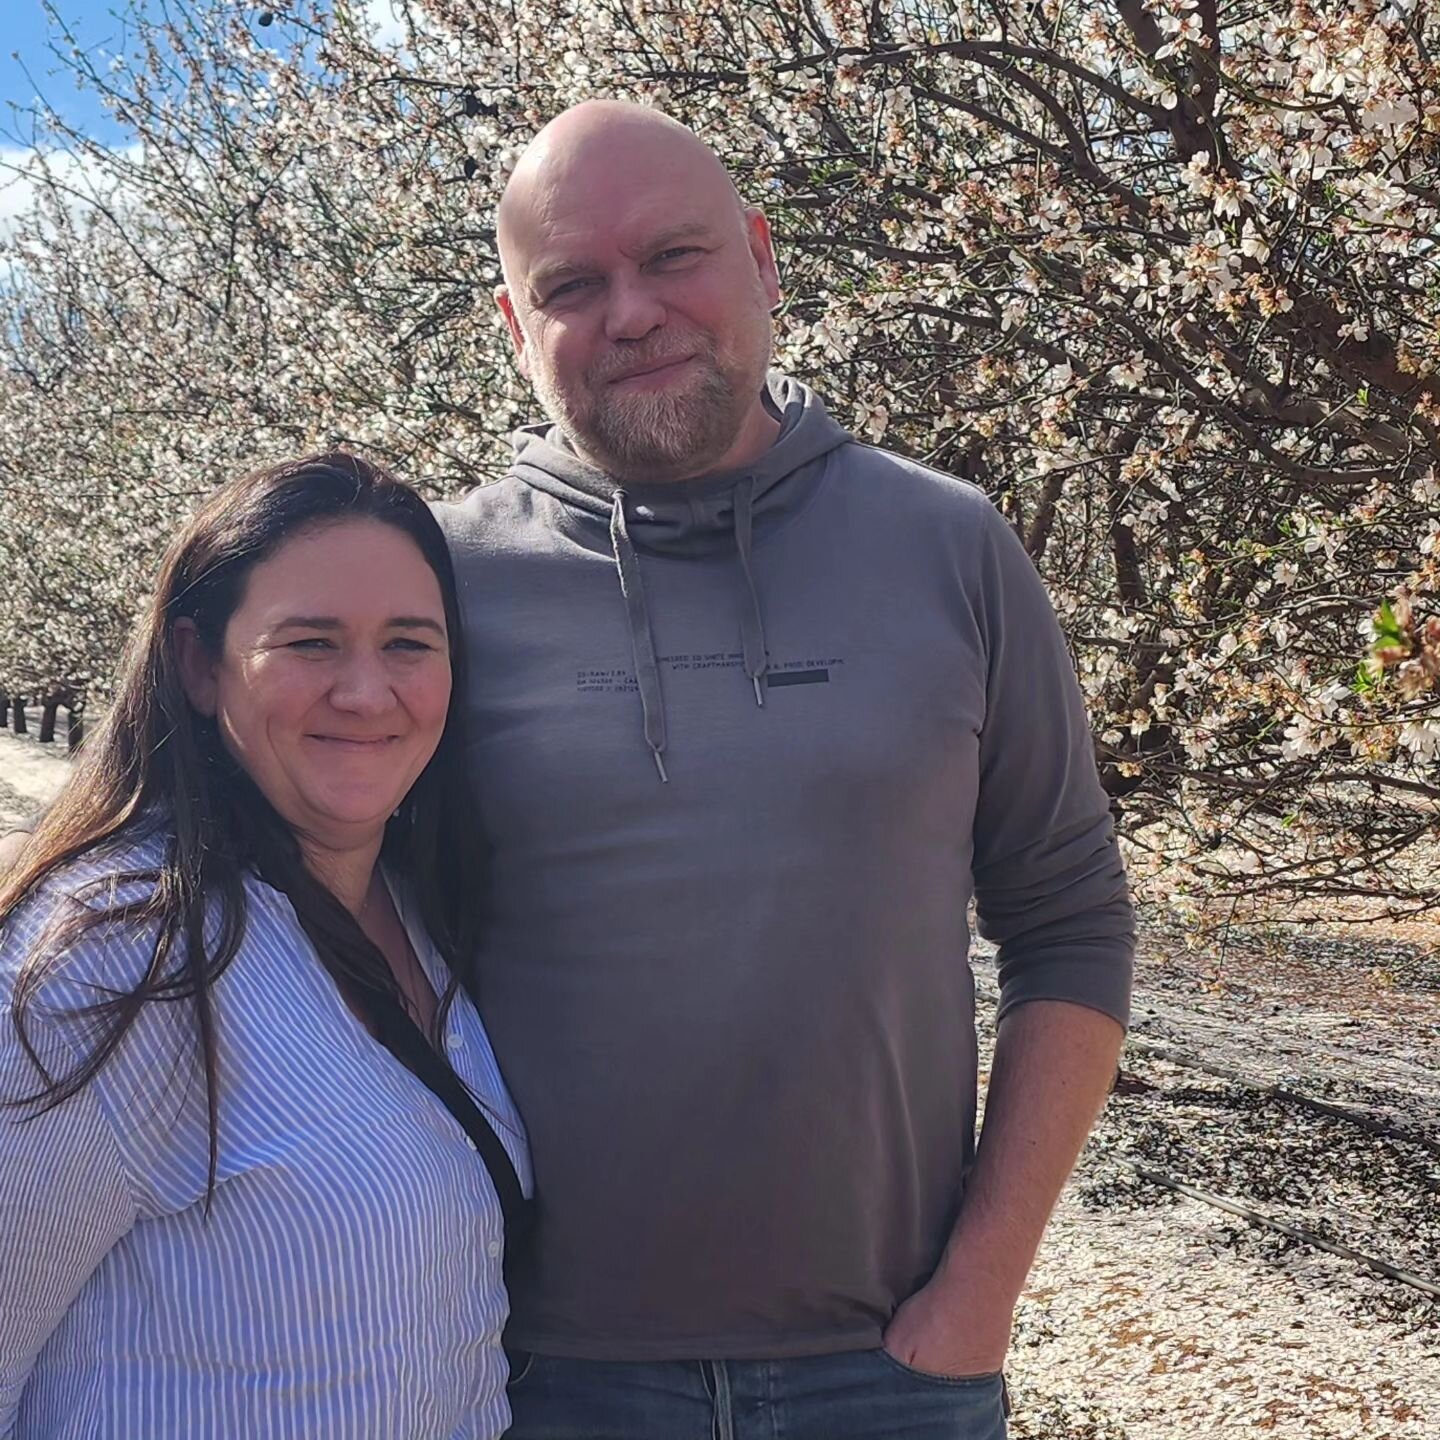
(657, 436)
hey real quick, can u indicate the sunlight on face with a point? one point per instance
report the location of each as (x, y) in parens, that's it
(334, 679)
(640, 298)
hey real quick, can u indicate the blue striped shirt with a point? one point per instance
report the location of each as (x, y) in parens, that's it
(347, 1283)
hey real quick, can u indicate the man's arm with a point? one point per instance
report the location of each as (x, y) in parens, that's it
(1050, 891)
(1054, 1062)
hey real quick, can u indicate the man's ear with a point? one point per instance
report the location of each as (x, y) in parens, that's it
(762, 249)
(197, 667)
(512, 323)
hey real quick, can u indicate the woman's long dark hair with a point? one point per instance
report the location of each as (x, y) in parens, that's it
(157, 766)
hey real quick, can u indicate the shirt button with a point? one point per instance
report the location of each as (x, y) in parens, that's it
(471, 1143)
(493, 1249)
(454, 1042)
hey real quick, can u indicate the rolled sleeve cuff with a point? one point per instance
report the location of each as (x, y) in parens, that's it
(1096, 974)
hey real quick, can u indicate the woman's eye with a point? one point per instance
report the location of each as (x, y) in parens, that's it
(314, 642)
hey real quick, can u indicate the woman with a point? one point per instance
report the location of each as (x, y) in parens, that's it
(241, 1074)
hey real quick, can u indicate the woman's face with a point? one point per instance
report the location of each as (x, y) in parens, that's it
(333, 681)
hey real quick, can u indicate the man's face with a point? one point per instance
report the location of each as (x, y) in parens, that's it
(639, 301)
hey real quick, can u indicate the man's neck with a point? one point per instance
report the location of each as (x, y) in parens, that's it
(758, 434)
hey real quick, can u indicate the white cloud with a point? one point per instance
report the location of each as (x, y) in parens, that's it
(17, 193)
(19, 171)
(384, 21)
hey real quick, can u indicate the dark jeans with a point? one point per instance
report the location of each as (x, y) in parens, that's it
(864, 1395)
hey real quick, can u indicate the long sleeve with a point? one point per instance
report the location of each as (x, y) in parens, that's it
(64, 1204)
(1049, 883)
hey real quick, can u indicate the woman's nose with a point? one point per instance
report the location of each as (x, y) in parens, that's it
(362, 686)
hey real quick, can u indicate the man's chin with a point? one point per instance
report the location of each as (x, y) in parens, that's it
(665, 436)
(650, 466)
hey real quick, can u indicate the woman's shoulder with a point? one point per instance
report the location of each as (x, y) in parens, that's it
(121, 870)
(64, 915)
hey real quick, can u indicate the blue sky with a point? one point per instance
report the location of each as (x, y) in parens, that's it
(23, 28)
(95, 24)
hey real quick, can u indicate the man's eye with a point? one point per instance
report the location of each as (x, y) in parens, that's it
(679, 252)
(568, 288)
(405, 642)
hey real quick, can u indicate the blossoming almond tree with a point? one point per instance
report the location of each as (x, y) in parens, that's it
(1161, 275)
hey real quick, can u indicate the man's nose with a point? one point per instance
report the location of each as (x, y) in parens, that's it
(633, 310)
(362, 686)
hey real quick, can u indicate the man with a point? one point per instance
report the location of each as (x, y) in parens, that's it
(753, 708)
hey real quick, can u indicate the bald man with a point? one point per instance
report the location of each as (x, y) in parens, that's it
(754, 710)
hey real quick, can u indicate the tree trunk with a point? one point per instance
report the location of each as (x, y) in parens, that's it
(76, 730)
(17, 712)
(47, 721)
(4, 711)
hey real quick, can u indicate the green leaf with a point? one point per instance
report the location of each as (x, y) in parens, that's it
(1387, 627)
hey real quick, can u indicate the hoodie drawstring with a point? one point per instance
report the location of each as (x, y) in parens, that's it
(637, 615)
(752, 622)
(642, 640)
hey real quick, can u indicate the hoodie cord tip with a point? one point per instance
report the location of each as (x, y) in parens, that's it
(759, 692)
(660, 766)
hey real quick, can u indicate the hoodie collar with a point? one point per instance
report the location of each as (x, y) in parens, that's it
(686, 517)
(712, 515)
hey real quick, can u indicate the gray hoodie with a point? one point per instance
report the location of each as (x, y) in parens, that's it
(743, 748)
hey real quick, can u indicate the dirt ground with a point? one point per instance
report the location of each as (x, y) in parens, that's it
(1154, 1316)
(30, 774)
